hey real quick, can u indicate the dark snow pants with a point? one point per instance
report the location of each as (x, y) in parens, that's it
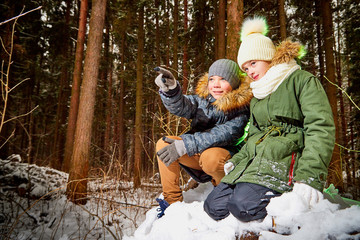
(246, 201)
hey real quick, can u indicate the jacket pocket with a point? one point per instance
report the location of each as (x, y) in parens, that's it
(275, 159)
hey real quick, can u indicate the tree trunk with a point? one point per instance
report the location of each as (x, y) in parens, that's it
(60, 120)
(201, 35)
(185, 50)
(319, 41)
(175, 39)
(121, 124)
(343, 120)
(77, 183)
(75, 90)
(30, 118)
(351, 142)
(167, 43)
(335, 171)
(216, 29)
(222, 28)
(157, 34)
(167, 33)
(185, 74)
(139, 96)
(235, 15)
(282, 19)
(108, 60)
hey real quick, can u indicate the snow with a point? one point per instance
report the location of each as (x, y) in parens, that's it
(39, 209)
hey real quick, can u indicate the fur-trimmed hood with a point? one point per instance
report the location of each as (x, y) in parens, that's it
(286, 51)
(236, 99)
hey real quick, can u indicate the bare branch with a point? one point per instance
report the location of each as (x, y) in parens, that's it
(348, 149)
(3, 45)
(22, 115)
(20, 15)
(342, 90)
(11, 135)
(18, 84)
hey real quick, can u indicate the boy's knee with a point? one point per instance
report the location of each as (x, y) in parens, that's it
(213, 160)
(160, 144)
(210, 167)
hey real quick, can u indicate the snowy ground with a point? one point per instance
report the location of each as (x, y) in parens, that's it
(116, 211)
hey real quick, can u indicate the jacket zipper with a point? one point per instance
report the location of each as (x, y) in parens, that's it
(291, 171)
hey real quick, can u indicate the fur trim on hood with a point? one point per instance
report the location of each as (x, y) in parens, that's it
(236, 99)
(286, 51)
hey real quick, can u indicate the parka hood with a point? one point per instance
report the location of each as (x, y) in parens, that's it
(286, 51)
(234, 100)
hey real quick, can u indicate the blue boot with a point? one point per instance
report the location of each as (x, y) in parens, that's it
(163, 205)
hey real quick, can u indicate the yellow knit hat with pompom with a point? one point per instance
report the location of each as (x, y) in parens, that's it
(255, 45)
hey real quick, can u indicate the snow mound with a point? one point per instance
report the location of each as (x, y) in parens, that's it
(288, 218)
(29, 179)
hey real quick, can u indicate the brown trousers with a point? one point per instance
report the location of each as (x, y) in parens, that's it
(211, 161)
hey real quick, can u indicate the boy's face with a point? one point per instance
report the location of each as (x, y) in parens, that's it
(218, 86)
(256, 69)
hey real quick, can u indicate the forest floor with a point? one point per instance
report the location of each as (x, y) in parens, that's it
(33, 205)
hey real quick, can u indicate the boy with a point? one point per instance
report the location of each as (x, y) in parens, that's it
(218, 112)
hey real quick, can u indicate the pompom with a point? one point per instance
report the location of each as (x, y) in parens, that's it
(302, 52)
(254, 25)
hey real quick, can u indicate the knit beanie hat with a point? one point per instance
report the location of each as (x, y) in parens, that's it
(227, 69)
(255, 45)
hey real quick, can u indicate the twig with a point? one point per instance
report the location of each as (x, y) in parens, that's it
(350, 150)
(112, 161)
(20, 15)
(18, 84)
(22, 208)
(5, 85)
(26, 210)
(22, 115)
(99, 219)
(125, 203)
(6, 51)
(11, 135)
(342, 90)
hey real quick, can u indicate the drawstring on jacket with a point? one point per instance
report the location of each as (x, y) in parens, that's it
(271, 129)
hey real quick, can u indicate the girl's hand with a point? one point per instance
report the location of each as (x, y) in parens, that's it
(228, 167)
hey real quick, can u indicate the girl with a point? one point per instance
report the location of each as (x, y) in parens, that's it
(291, 135)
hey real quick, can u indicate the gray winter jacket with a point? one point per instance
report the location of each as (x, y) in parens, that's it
(214, 123)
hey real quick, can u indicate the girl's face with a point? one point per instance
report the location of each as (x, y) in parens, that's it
(256, 69)
(218, 86)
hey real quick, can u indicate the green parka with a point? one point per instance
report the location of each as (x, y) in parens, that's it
(291, 135)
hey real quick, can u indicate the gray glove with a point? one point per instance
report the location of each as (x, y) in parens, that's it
(165, 80)
(171, 152)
